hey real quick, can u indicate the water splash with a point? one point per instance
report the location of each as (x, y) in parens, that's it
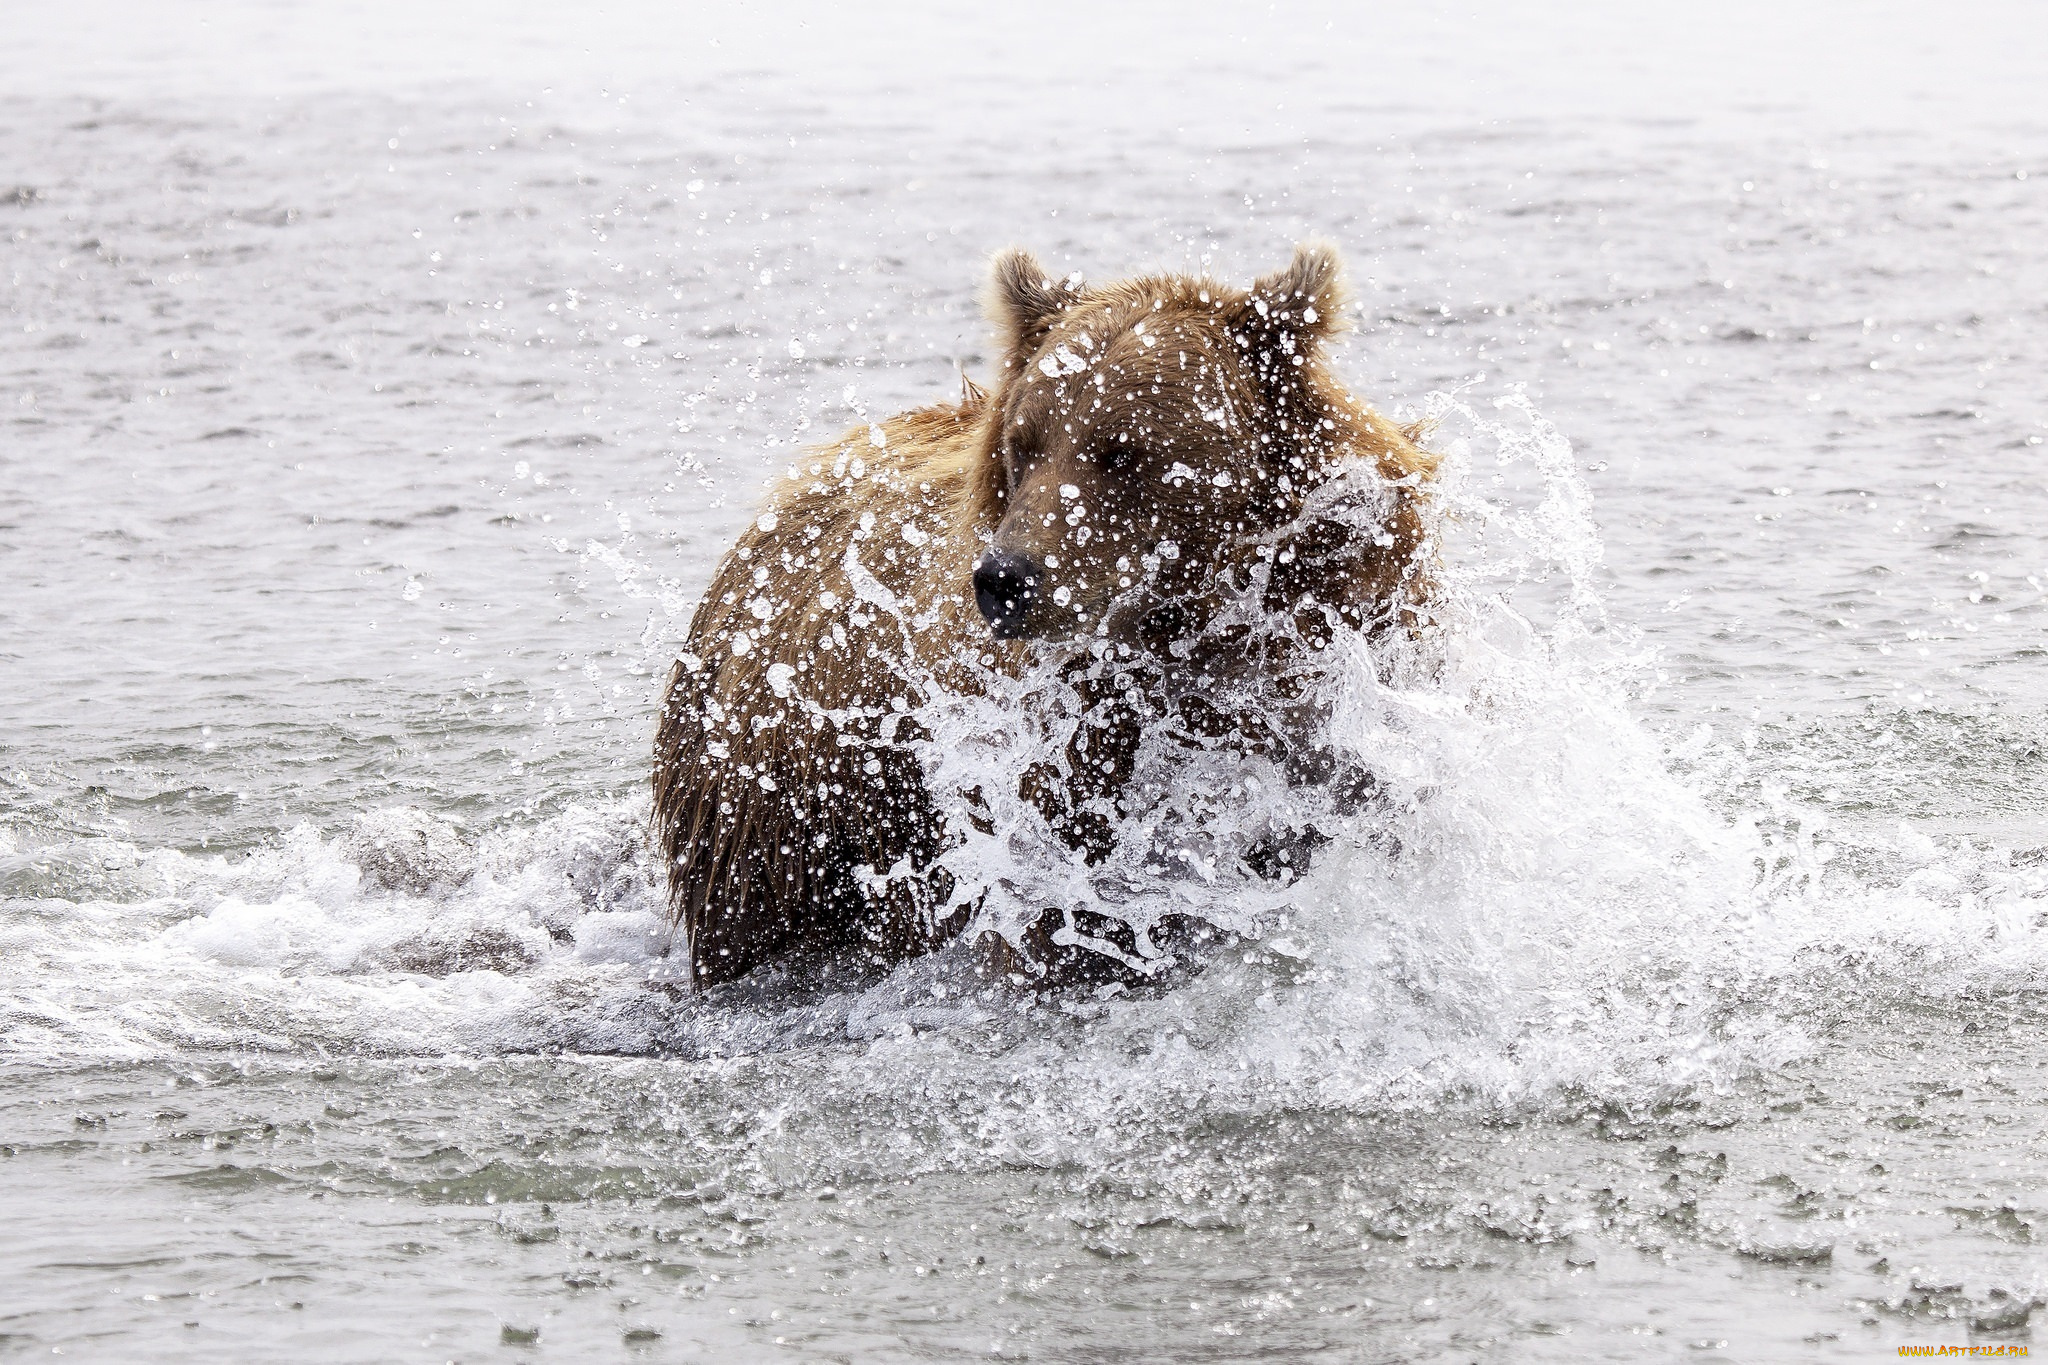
(1541, 902)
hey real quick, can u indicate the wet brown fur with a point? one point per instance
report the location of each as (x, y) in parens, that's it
(784, 789)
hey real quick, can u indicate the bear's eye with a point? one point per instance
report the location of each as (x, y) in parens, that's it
(1016, 459)
(1116, 456)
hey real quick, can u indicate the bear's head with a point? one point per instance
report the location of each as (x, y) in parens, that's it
(1147, 438)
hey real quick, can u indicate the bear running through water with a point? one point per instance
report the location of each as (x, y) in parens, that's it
(1149, 449)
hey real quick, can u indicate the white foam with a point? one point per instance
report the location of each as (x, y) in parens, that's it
(294, 948)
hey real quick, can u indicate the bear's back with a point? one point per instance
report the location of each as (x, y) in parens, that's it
(778, 780)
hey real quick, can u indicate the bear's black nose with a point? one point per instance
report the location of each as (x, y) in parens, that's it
(1004, 584)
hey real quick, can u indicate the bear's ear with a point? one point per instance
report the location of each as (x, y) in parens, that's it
(1297, 306)
(1023, 300)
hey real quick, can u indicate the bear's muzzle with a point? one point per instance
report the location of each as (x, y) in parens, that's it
(1005, 585)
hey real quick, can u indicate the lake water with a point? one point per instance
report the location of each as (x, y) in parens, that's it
(369, 428)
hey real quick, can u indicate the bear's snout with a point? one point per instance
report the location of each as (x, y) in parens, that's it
(1004, 586)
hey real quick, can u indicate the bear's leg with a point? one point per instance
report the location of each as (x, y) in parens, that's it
(1284, 855)
(1038, 961)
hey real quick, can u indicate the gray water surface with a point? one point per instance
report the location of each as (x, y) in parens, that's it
(364, 446)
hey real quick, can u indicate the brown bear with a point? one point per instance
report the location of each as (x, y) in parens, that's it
(1150, 450)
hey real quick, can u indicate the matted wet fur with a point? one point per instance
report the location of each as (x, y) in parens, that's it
(1146, 447)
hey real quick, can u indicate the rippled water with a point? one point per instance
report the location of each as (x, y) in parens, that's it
(363, 452)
